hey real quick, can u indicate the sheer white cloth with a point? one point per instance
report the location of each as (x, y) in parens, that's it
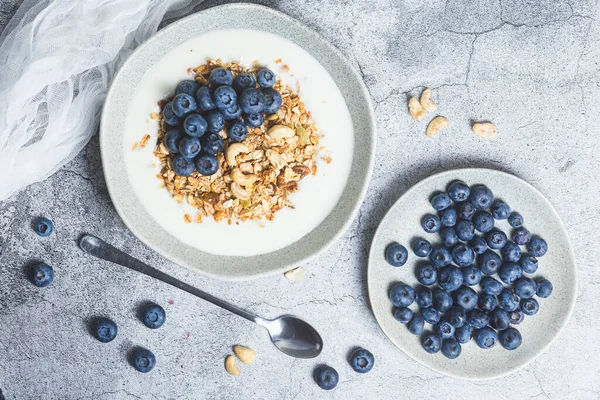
(57, 58)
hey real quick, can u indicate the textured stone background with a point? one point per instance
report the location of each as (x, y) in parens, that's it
(530, 66)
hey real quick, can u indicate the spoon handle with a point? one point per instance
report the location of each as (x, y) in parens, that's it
(99, 248)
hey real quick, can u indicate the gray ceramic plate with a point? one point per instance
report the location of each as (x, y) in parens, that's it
(402, 224)
(332, 89)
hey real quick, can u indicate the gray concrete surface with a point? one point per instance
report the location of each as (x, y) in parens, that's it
(529, 66)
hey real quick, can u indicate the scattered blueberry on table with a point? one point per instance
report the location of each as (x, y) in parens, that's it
(362, 361)
(44, 227)
(143, 360)
(326, 377)
(42, 275)
(154, 316)
(105, 330)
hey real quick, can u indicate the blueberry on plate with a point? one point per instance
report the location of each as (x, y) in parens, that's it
(491, 286)
(440, 256)
(225, 97)
(450, 278)
(530, 306)
(204, 99)
(143, 360)
(219, 77)
(254, 120)
(183, 166)
(478, 319)
(432, 343)
(326, 377)
(207, 164)
(212, 143)
(544, 288)
(105, 330)
(402, 295)
(466, 210)
(489, 262)
(521, 236)
(487, 302)
(189, 147)
(481, 197)
(463, 255)
(424, 297)
(42, 275)
(515, 219)
(525, 287)
(466, 298)
(500, 209)
(396, 254)
(465, 230)
(471, 275)
(444, 329)
(252, 101)
(44, 227)
(464, 333)
(244, 81)
(195, 125)
(448, 217)
(457, 316)
(232, 112)
(154, 316)
(486, 338)
(496, 239)
(483, 221)
(442, 300)
(421, 247)
(510, 338)
(431, 315)
(188, 86)
(440, 201)
(458, 191)
(431, 223)
(416, 324)
(172, 139)
(183, 104)
(237, 131)
(528, 264)
(451, 348)
(537, 246)
(265, 78)
(215, 121)
(500, 319)
(508, 300)
(448, 236)
(516, 317)
(511, 252)
(403, 314)
(426, 274)
(509, 272)
(478, 244)
(362, 361)
(273, 101)
(168, 115)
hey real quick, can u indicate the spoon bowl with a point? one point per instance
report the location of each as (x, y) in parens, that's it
(294, 337)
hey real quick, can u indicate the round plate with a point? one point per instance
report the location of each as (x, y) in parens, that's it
(325, 204)
(402, 223)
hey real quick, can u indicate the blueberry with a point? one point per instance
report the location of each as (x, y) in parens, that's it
(362, 361)
(215, 121)
(442, 300)
(466, 211)
(528, 264)
(42, 275)
(444, 329)
(212, 143)
(511, 252)
(183, 166)
(252, 101)
(463, 255)
(432, 343)
(489, 262)
(525, 287)
(143, 360)
(172, 139)
(188, 87)
(189, 147)
(431, 315)
(458, 191)
(451, 348)
(510, 339)
(448, 236)
(402, 295)
(207, 164)
(244, 81)
(154, 316)
(499, 319)
(195, 125)
(254, 120)
(530, 306)
(431, 223)
(516, 317)
(448, 217)
(500, 210)
(496, 239)
(464, 333)
(537, 246)
(232, 112)
(273, 101)
(544, 288)
(481, 197)
(441, 201)
(183, 104)
(426, 274)
(225, 97)
(471, 275)
(219, 77)
(403, 314)
(204, 99)
(491, 286)
(486, 338)
(457, 316)
(510, 272)
(421, 247)
(44, 227)
(487, 302)
(424, 297)
(168, 115)
(237, 131)
(416, 325)
(478, 244)
(396, 255)
(515, 219)
(440, 256)
(465, 230)
(105, 330)
(265, 78)
(326, 377)
(450, 278)
(521, 236)
(483, 221)
(478, 319)
(508, 300)
(466, 298)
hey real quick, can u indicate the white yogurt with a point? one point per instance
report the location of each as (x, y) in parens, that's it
(317, 195)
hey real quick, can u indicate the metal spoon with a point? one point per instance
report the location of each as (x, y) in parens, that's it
(291, 335)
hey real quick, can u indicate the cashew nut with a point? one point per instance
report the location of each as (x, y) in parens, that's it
(484, 129)
(417, 112)
(437, 124)
(233, 150)
(295, 274)
(280, 132)
(245, 354)
(276, 159)
(239, 192)
(243, 179)
(426, 102)
(231, 366)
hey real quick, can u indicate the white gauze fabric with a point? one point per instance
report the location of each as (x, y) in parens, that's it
(57, 58)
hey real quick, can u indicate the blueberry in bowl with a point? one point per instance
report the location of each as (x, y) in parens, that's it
(189, 147)
(465, 230)
(489, 262)
(481, 197)
(471, 275)
(254, 120)
(431, 223)
(530, 306)
(207, 164)
(544, 288)
(486, 338)
(444, 329)
(442, 300)
(500, 209)
(448, 217)
(265, 78)
(448, 236)
(362, 361)
(478, 244)
(42, 275)
(421, 247)
(403, 314)
(416, 324)
(511, 252)
(466, 211)
(483, 221)
(225, 97)
(273, 101)
(183, 166)
(219, 77)
(172, 139)
(195, 125)
(450, 278)
(464, 333)
(463, 255)
(537, 246)
(424, 297)
(466, 298)
(528, 264)
(396, 255)
(510, 272)
(232, 112)
(244, 81)
(252, 101)
(432, 343)
(441, 201)
(426, 274)
(500, 319)
(458, 191)
(183, 104)
(237, 131)
(525, 287)
(451, 348)
(187, 86)
(508, 300)
(521, 236)
(515, 219)
(516, 317)
(487, 302)
(457, 316)
(478, 319)
(440, 256)
(204, 99)
(215, 121)
(496, 239)
(402, 295)
(431, 315)
(212, 143)
(168, 114)
(510, 338)
(491, 286)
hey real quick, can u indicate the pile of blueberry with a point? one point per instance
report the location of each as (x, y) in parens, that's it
(463, 260)
(196, 115)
